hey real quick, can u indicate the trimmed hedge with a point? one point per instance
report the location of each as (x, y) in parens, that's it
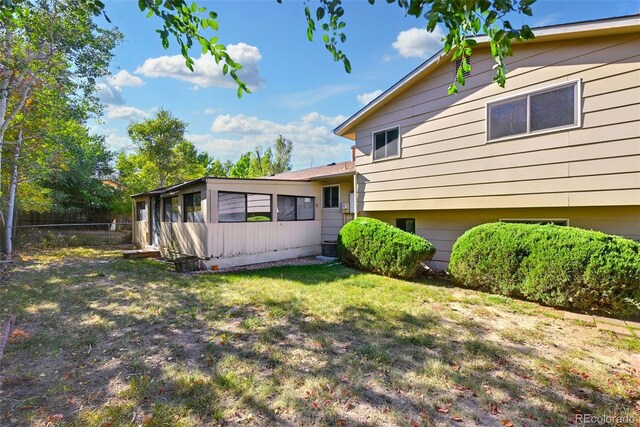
(373, 245)
(559, 266)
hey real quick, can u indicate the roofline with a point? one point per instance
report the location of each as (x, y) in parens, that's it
(564, 31)
(333, 175)
(164, 190)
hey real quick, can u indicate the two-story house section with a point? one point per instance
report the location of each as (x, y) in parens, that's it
(561, 143)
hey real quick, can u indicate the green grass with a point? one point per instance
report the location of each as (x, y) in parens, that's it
(120, 342)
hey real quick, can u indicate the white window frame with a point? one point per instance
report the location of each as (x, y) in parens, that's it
(543, 220)
(577, 111)
(373, 144)
(333, 185)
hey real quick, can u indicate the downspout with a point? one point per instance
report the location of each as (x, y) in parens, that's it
(355, 194)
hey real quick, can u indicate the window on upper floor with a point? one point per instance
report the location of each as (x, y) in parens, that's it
(545, 110)
(331, 196)
(386, 144)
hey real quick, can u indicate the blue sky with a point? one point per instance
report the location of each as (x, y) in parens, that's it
(298, 90)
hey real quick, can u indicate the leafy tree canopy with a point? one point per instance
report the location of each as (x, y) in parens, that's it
(188, 24)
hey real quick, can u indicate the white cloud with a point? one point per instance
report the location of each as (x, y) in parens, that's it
(313, 140)
(549, 19)
(124, 78)
(321, 118)
(206, 72)
(210, 111)
(418, 42)
(125, 112)
(367, 97)
(308, 98)
(109, 94)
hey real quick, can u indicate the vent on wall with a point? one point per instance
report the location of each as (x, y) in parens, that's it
(458, 65)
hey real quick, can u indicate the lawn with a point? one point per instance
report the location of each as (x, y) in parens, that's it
(104, 341)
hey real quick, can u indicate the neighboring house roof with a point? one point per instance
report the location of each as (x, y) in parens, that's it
(573, 30)
(318, 172)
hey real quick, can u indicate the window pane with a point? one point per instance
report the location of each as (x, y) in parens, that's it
(380, 143)
(305, 209)
(286, 208)
(335, 197)
(331, 197)
(171, 209)
(258, 207)
(553, 108)
(326, 197)
(509, 118)
(406, 224)
(392, 143)
(141, 211)
(231, 207)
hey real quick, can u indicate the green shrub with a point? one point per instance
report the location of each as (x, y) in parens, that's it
(560, 266)
(373, 245)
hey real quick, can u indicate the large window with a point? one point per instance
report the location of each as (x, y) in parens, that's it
(331, 196)
(296, 208)
(171, 209)
(386, 144)
(243, 207)
(141, 211)
(543, 110)
(193, 207)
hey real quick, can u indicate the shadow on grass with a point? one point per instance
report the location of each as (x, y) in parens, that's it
(128, 342)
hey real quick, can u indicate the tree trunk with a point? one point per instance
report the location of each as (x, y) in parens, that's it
(11, 203)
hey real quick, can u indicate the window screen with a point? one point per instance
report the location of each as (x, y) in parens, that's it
(193, 207)
(171, 209)
(534, 112)
(286, 208)
(232, 207)
(296, 208)
(258, 207)
(141, 211)
(386, 144)
(305, 208)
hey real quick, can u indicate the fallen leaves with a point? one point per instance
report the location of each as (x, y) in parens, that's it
(507, 423)
(54, 419)
(18, 335)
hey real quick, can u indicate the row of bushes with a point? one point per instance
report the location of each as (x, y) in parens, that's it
(560, 266)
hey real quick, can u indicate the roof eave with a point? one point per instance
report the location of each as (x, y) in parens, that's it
(609, 26)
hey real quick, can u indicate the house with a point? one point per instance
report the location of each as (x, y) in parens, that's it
(232, 222)
(561, 143)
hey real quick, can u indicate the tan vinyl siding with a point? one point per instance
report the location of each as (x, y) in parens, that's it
(333, 219)
(447, 164)
(443, 227)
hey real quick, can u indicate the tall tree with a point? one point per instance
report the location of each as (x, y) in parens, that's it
(161, 155)
(49, 50)
(282, 148)
(241, 168)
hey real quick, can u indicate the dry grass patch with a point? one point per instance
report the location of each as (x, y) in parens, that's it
(119, 342)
